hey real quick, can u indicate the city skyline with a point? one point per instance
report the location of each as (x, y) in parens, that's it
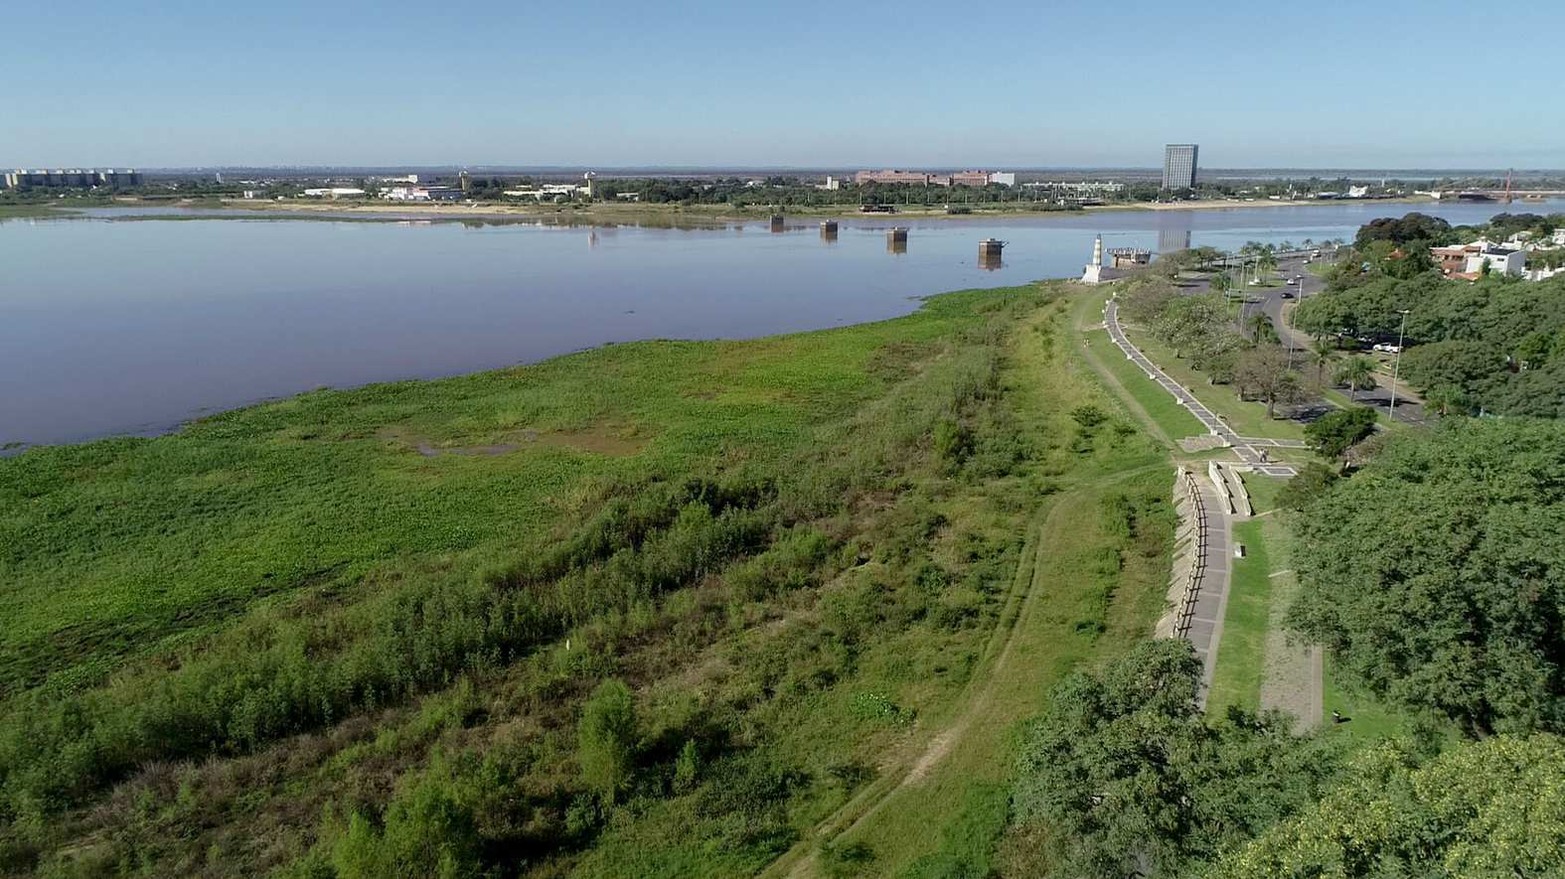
(704, 84)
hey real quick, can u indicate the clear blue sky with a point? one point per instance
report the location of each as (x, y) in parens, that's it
(1372, 83)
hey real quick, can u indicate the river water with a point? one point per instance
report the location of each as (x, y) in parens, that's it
(111, 325)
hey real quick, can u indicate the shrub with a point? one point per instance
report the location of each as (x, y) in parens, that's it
(607, 738)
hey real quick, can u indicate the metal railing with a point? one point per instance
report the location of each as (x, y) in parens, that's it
(1185, 612)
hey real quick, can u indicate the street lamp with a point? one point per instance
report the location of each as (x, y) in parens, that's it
(1396, 368)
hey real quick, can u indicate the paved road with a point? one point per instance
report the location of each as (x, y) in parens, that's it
(1275, 302)
(1244, 448)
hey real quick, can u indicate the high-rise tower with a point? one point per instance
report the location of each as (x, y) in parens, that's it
(1179, 163)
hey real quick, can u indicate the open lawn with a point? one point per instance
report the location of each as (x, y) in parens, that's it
(1145, 397)
(1241, 656)
(1245, 417)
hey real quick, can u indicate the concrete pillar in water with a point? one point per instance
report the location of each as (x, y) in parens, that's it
(777, 222)
(989, 251)
(828, 230)
(896, 240)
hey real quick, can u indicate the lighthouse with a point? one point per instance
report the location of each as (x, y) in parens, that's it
(1095, 273)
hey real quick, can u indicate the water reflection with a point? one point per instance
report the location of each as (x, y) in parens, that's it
(267, 308)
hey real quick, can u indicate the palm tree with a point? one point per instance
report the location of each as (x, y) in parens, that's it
(1322, 351)
(1358, 373)
(1222, 282)
(1266, 264)
(1261, 328)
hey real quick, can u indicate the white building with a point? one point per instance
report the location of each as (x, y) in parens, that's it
(422, 193)
(332, 192)
(555, 191)
(1004, 178)
(1503, 260)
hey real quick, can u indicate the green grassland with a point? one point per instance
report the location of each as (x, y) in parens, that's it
(307, 637)
(1246, 417)
(1241, 656)
(1167, 417)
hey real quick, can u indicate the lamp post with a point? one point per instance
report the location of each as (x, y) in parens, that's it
(1396, 368)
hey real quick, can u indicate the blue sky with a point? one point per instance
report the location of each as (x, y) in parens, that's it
(1383, 83)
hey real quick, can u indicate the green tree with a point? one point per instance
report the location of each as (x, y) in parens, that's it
(1490, 808)
(1266, 263)
(1129, 777)
(606, 739)
(1193, 325)
(1143, 298)
(1222, 282)
(1357, 373)
(1437, 575)
(1262, 373)
(1334, 433)
(1322, 351)
(1312, 481)
(1445, 399)
(1262, 330)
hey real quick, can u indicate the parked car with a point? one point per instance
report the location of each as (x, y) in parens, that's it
(1287, 294)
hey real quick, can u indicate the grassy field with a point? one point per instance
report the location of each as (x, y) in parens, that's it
(1157, 405)
(1241, 656)
(19, 211)
(1091, 585)
(829, 566)
(1245, 417)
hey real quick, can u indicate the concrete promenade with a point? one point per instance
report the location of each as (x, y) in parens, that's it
(1245, 448)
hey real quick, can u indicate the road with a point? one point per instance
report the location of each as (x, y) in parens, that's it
(1276, 303)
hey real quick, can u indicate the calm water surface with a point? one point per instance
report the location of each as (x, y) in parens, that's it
(110, 326)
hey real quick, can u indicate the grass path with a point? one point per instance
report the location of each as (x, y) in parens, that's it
(942, 794)
(1027, 652)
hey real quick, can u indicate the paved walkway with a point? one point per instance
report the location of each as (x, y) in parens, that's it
(1245, 448)
(1205, 625)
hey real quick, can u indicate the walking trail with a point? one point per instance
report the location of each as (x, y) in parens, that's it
(1292, 679)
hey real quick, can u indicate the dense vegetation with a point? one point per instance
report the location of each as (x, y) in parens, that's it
(1124, 775)
(652, 609)
(1495, 345)
(1433, 575)
(1491, 808)
(1437, 574)
(1204, 329)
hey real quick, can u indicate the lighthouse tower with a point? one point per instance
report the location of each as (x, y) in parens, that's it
(1095, 273)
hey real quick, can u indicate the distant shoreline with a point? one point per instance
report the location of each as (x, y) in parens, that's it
(606, 214)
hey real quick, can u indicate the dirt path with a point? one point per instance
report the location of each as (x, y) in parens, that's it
(985, 710)
(1292, 678)
(801, 859)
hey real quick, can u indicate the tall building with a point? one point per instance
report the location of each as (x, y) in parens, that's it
(1179, 161)
(74, 178)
